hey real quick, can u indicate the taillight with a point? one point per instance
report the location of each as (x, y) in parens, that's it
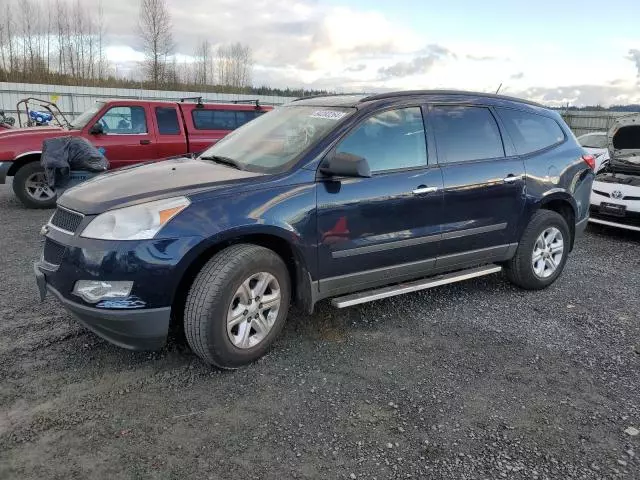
(590, 160)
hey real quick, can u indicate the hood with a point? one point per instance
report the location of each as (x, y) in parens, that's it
(151, 181)
(16, 141)
(624, 138)
(12, 132)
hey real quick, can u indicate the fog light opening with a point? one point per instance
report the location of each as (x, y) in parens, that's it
(92, 291)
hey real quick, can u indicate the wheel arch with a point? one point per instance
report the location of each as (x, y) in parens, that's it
(22, 159)
(565, 205)
(273, 238)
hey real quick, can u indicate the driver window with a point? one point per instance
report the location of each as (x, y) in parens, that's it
(124, 121)
(391, 140)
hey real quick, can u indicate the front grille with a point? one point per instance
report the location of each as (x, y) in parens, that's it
(53, 252)
(66, 220)
(608, 195)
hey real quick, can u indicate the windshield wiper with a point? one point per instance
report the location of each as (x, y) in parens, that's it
(224, 160)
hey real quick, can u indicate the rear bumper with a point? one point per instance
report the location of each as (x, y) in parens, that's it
(141, 329)
(4, 169)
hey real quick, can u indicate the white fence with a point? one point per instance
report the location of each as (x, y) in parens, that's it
(587, 121)
(75, 100)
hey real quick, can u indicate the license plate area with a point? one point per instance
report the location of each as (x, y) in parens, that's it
(613, 209)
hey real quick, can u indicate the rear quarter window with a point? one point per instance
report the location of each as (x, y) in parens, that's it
(167, 119)
(530, 132)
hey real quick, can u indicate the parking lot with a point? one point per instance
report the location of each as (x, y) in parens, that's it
(473, 380)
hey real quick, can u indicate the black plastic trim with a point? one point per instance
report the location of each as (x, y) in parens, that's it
(381, 247)
(473, 231)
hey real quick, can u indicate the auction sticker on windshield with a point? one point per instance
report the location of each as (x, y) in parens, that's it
(328, 114)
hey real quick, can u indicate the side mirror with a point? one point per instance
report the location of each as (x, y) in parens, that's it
(342, 164)
(96, 129)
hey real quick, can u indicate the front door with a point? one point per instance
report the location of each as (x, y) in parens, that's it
(484, 185)
(127, 137)
(374, 230)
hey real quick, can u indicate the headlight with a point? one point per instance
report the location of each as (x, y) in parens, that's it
(140, 222)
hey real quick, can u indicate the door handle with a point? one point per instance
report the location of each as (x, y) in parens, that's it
(422, 190)
(145, 142)
(512, 178)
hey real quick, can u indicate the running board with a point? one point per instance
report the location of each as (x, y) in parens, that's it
(415, 286)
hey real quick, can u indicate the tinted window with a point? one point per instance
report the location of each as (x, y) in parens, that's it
(530, 132)
(389, 140)
(124, 120)
(244, 116)
(466, 133)
(214, 119)
(594, 140)
(167, 118)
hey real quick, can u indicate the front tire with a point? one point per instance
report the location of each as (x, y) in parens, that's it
(542, 252)
(31, 187)
(237, 305)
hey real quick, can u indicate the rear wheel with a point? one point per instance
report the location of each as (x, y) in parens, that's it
(542, 251)
(237, 305)
(31, 187)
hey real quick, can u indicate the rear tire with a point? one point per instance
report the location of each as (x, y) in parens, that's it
(542, 252)
(237, 305)
(30, 186)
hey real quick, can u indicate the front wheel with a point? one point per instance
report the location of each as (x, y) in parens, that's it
(31, 187)
(542, 251)
(237, 305)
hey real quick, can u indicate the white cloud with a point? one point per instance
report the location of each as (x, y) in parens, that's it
(305, 43)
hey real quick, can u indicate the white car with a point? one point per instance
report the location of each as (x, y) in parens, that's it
(597, 144)
(615, 198)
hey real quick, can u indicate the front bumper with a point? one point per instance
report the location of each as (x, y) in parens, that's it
(4, 169)
(142, 329)
(629, 221)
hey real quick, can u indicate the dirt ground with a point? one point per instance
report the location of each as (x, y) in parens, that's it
(475, 380)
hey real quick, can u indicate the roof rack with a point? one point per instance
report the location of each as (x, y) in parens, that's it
(353, 94)
(382, 96)
(200, 101)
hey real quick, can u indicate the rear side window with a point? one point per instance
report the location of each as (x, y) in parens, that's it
(244, 116)
(214, 119)
(530, 132)
(167, 118)
(465, 133)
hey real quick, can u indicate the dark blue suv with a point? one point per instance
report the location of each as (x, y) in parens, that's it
(353, 198)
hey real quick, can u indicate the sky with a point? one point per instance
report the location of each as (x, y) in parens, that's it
(553, 51)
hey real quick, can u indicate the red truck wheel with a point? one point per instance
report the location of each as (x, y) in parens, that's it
(31, 188)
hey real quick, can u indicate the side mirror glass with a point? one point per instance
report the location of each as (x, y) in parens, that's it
(343, 164)
(96, 129)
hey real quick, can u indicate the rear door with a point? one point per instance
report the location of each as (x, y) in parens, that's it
(171, 138)
(484, 184)
(128, 135)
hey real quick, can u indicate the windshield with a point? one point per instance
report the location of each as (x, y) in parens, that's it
(270, 142)
(81, 121)
(594, 140)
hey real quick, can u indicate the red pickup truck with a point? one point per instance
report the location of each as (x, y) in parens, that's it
(126, 132)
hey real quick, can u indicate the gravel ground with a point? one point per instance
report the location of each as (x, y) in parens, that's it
(476, 380)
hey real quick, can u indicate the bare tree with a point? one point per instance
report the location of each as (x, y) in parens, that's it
(203, 65)
(155, 30)
(234, 64)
